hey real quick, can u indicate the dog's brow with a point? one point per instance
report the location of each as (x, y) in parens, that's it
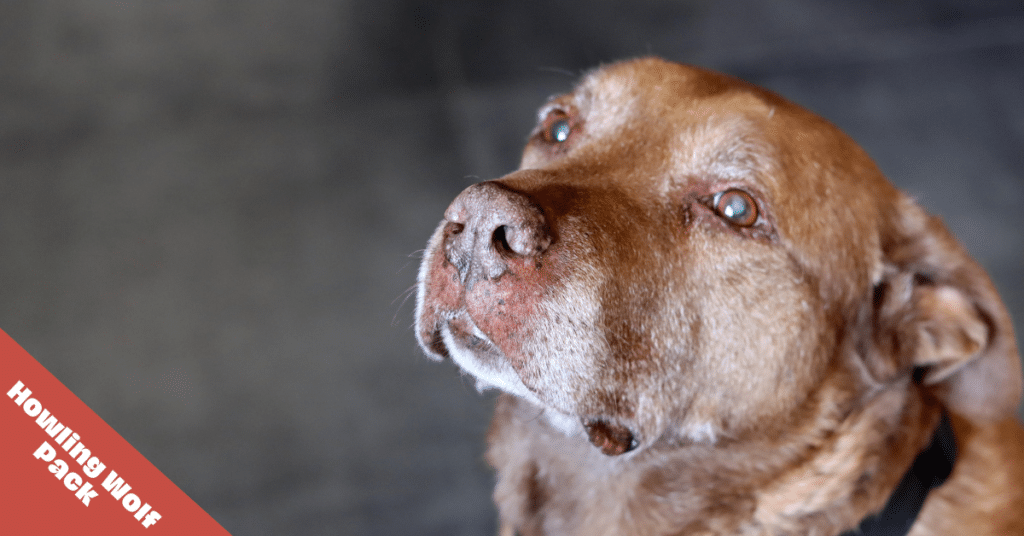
(553, 103)
(727, 148)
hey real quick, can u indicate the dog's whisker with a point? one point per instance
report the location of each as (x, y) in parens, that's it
(405, 295)
(559, 70)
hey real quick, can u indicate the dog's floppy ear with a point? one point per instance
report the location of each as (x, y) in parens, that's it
(936, 313)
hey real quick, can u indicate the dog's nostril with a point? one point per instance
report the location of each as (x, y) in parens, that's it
(489, 223)
(454, 228)
(500, 240)
(522, 240)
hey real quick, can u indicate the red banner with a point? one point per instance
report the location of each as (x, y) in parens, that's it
(66, 471)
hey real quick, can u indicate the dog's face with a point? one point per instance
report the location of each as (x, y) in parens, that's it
(683, 257)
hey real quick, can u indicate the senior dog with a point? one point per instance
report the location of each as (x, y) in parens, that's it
(710, 313)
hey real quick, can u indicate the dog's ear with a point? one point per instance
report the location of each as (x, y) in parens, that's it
(936, 314)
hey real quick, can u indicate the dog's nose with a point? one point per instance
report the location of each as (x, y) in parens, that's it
(489, 223)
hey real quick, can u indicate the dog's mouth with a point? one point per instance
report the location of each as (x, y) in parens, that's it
(459, 338)
(472, 350)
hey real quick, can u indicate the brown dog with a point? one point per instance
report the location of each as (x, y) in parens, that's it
(710, 313)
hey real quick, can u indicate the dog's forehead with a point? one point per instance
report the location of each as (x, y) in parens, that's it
(710, 124)
(719, 131)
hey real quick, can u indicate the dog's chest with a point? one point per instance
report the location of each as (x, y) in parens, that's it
(546, 498)
(553, 484)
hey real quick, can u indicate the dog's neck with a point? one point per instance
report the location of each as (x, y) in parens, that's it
(825, 486)
(930, 470)
(836, 486)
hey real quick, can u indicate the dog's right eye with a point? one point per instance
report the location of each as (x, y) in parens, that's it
(560, 131)
(557, 127)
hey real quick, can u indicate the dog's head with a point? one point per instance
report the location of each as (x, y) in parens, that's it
(684, 257)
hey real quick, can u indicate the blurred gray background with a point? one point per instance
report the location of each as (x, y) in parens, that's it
(210, 210)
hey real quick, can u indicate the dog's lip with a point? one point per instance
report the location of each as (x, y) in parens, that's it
(473, 351)
(462, 339)
(453, 332)
(470, 337)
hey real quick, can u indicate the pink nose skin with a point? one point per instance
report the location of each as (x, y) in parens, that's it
(488, 224)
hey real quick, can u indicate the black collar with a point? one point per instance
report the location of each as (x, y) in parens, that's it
(931, 468)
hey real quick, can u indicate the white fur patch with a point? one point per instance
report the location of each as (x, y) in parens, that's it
(567, 424)
(496, 375)
(704, 433)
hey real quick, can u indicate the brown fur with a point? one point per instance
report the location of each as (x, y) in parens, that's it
(671, 372)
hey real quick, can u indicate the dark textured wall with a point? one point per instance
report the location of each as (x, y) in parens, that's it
(210, 210)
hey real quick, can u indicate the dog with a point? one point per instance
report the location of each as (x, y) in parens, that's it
(708, 312)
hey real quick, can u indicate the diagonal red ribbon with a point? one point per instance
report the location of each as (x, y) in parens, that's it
(66, 471)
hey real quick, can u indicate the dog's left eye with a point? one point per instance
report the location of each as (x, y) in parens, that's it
(736, 206)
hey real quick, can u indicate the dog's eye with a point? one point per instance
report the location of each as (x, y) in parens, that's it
(557, 127)
(736, 206)
(560, 130)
